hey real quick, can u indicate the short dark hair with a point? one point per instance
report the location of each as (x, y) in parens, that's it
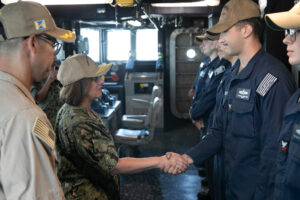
(256, 24)
(74, 93)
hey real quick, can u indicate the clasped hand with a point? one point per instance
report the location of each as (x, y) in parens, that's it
(174, 163)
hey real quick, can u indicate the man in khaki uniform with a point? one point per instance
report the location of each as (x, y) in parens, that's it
(27, 162)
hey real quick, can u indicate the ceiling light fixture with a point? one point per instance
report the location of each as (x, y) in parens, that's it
(135, 23)
(62, 2)
(191, 53)
(204, 3)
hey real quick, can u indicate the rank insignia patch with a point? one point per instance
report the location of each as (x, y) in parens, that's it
(202, 74)
(284, 145)
(219, 70)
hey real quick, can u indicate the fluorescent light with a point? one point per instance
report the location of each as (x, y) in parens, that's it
(204, 3)
(134, 23)
(62, 2)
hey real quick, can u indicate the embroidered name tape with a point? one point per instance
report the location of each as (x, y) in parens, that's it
(266, 84)
(296, 132)
(242, 93)
(43, 132)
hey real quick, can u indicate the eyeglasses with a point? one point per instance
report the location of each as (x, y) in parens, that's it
(52, 41)
(292, 33)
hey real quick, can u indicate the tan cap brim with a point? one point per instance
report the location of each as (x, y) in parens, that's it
(102, 70)
(213, 37)
(200, 38)
(62, 34)
(207, 36)
(283, 20)
(219, 28)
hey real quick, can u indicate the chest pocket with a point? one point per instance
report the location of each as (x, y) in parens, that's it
(242, 119)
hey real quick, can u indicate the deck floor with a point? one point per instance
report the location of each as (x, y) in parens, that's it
(156, 185)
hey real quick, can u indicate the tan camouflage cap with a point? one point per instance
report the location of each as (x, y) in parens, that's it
(80, 66)
(22, 19)
(285, 20)
(233, 12)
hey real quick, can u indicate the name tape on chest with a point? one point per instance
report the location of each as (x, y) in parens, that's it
(43, 132)
(242, 93)
(266, 84)
(219, 70)
(296, 132)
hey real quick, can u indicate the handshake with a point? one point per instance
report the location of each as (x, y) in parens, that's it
(174, 163)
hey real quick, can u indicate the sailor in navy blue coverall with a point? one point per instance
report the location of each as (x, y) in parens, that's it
(287, 181)
(200, 74)
(205, 95)
(218, 191)
(247, 126)
(206, 84)
(205, 92)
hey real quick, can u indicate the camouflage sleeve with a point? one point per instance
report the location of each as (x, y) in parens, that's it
(34, 90)
(95, 146)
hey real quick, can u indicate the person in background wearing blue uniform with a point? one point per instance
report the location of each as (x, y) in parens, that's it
(288, 161)
(205, 89)
(206, 75)
(228, 61)
(201, 39)
(247, 126)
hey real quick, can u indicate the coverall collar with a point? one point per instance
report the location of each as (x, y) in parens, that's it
(246, 72)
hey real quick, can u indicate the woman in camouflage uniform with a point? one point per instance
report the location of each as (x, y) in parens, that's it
(88, 160)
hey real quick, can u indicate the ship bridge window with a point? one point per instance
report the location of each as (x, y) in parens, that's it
(92, 36)
(146, 44)
(118, 45)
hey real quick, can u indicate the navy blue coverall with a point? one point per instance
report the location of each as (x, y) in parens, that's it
(287, 182)
(247, 127)
(201, 73)
(205, 96)
(218, 191)
(204, 101)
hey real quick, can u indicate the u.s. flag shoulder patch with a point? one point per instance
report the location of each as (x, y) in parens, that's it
(266, 84)
(40, 24)
(44, 132)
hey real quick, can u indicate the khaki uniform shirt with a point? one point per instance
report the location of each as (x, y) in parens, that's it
(27, 161)
(86, 154)
(51, 103)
